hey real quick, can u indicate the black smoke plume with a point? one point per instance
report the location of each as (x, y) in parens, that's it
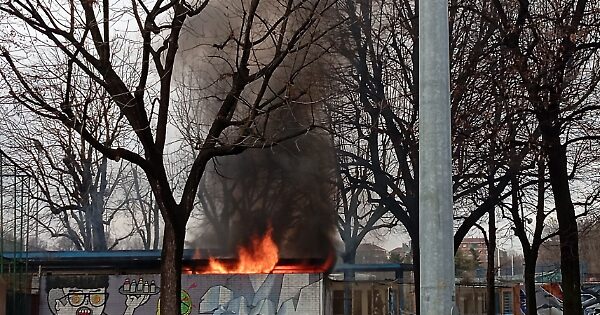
(287, 186)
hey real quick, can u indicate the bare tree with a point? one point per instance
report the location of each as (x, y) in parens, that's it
(530, 240)
(357, 217)
(135, 197)
(590, 236)
(552, 46)
(261, 37)
(379, 112)
(70, 178)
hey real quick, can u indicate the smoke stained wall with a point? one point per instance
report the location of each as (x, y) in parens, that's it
(289, 186)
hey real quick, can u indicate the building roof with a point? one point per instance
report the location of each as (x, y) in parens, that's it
(123, 260)
(473, 240)
(402, 249)
(374, 267)
(368, 246)
(145, 261)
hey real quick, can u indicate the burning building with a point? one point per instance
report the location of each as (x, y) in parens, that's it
(244, 294)
(126, 282)
(268, 212)
(283, 184)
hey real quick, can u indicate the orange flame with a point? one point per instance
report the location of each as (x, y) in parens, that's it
(260, 257)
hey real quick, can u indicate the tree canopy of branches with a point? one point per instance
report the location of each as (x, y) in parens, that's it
(376, 119)
(523, 75)
(71, 178)
(553, 54)
(130, 50)
(140, 81)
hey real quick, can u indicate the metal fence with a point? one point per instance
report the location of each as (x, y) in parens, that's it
(17, 209)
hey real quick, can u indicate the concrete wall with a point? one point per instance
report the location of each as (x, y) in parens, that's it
(274, 294)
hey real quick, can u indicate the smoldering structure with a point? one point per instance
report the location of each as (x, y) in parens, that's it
(286, 184)
(286, 188)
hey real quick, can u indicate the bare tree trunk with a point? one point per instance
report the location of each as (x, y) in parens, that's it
(567, 221)
(349, 258)
(414, 246)
(567, 231)
(491, 270)
(97, 196)
(170, 270)
(97, 223)
(92, 191)
(529, 277)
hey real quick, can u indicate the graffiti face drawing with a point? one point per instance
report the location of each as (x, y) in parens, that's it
(272, 294)
(81, 301)
(81, 295)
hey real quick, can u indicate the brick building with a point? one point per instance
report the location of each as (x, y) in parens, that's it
(371, 254)
(474, 246)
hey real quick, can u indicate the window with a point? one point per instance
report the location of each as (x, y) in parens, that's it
(507, 302)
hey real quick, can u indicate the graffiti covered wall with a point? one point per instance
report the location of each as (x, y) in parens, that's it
(272, 294)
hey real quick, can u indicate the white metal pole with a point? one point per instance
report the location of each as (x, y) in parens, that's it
(512, 264)
(435, 169)
(499, 263)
